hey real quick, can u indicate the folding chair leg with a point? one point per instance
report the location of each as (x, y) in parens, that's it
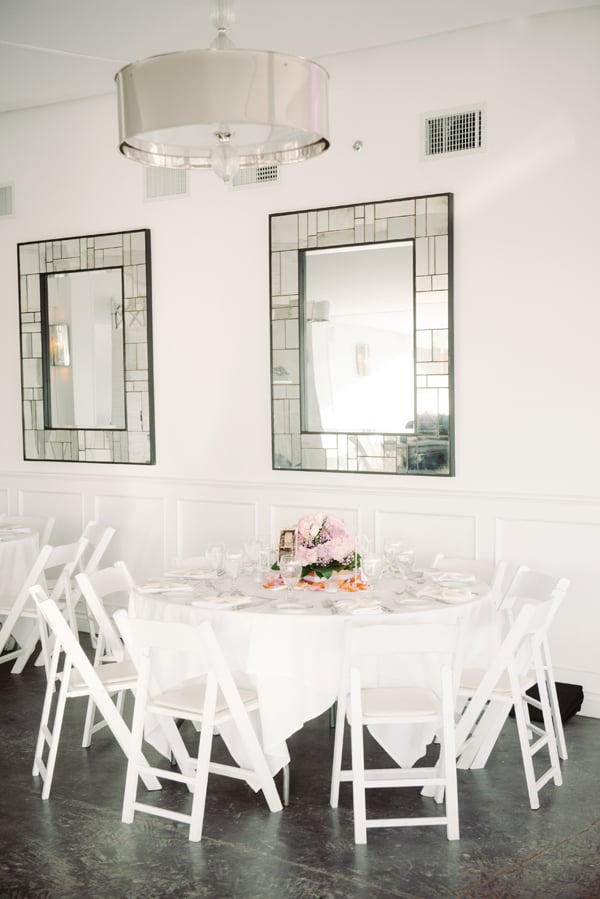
(27, 648)
(338, 746)
(556, 718)
(53, 739)
(358, 768)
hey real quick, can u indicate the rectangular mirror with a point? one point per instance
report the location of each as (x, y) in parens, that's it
(86, 348)
(361, 338)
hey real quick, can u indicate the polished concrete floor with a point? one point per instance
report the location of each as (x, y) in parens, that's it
(74, 844)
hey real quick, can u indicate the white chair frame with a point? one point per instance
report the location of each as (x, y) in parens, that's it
(208, 701)
(487, 570)
(77, 678)
(491, 695)
(393, 705)
(63, 558)
(94, 587)
(528, 585)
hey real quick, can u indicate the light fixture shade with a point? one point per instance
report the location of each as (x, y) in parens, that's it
(199, 108)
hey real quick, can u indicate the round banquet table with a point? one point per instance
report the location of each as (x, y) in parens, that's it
(293, 657)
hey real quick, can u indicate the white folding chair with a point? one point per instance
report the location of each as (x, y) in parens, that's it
(486, 570)
(365, 703)
(98, 537)
(95, 587)
(492, 693)
(68, 666)
(534, 586)
(43, 526)
(54, 564)
(208, 700)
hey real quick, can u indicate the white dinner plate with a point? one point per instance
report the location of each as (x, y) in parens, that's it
(294, 606)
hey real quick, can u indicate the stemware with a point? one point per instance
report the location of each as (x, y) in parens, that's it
(290, 570)
(233, 566)
(214, 554)
(372, 566)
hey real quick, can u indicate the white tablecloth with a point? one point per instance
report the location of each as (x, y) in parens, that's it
(17, 554)
(293, 660)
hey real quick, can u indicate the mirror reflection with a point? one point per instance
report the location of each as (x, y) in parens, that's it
(84, 341)
(358, 337)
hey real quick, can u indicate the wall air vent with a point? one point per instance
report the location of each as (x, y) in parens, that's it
(261, 174)
(7, 200)
(162, 183)
(455, 132)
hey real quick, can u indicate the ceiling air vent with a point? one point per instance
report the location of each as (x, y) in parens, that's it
(162, 183)
(7, 200)
(261, 174)
(454, 132)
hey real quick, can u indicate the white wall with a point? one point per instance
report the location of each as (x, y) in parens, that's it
(526, 316)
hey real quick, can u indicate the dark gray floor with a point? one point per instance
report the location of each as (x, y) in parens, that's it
(74, 844)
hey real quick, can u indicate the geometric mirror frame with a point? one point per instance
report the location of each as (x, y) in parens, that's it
(128, 437)
(331, 338)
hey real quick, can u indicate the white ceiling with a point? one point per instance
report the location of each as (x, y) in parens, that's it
(56, 50)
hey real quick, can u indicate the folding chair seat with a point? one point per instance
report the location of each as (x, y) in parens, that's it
(95, 588)
(363, 702)
(529, 586)
(54, 564)
(44, 526)
(486, 570)
(67, 665)
(491, 694)
(209, 699)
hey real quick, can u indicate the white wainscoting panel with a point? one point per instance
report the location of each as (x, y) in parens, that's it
(201, 522)
(565, 549)
(157, 519)
(140, 531)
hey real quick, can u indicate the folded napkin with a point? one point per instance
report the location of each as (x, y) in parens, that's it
(193, 573)
(357, 607)
(444, 594)
(14, 529)
(458, 577)
(163, 587)
(223, 600)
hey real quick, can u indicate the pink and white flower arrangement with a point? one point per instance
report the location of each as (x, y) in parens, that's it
(323, 545)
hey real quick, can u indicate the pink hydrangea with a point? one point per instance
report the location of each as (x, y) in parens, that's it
(322, 541)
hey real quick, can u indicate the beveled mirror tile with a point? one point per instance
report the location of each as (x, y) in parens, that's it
(401, 228)
(314, 459)
(341, 219)
(289, 272)
(284, 232)
(441, 254)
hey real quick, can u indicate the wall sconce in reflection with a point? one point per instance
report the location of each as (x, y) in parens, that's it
(363, 359)
(60, 353)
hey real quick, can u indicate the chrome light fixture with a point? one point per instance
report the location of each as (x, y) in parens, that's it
(222, 108)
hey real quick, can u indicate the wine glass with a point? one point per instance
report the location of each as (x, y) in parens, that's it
(290, 570)
(214, 554)
(233, 566)
(393, 552)
(372, 566)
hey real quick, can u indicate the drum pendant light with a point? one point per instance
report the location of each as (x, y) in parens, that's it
(222, 108)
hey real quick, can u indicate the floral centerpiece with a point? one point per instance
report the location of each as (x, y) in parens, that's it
(323, 546)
